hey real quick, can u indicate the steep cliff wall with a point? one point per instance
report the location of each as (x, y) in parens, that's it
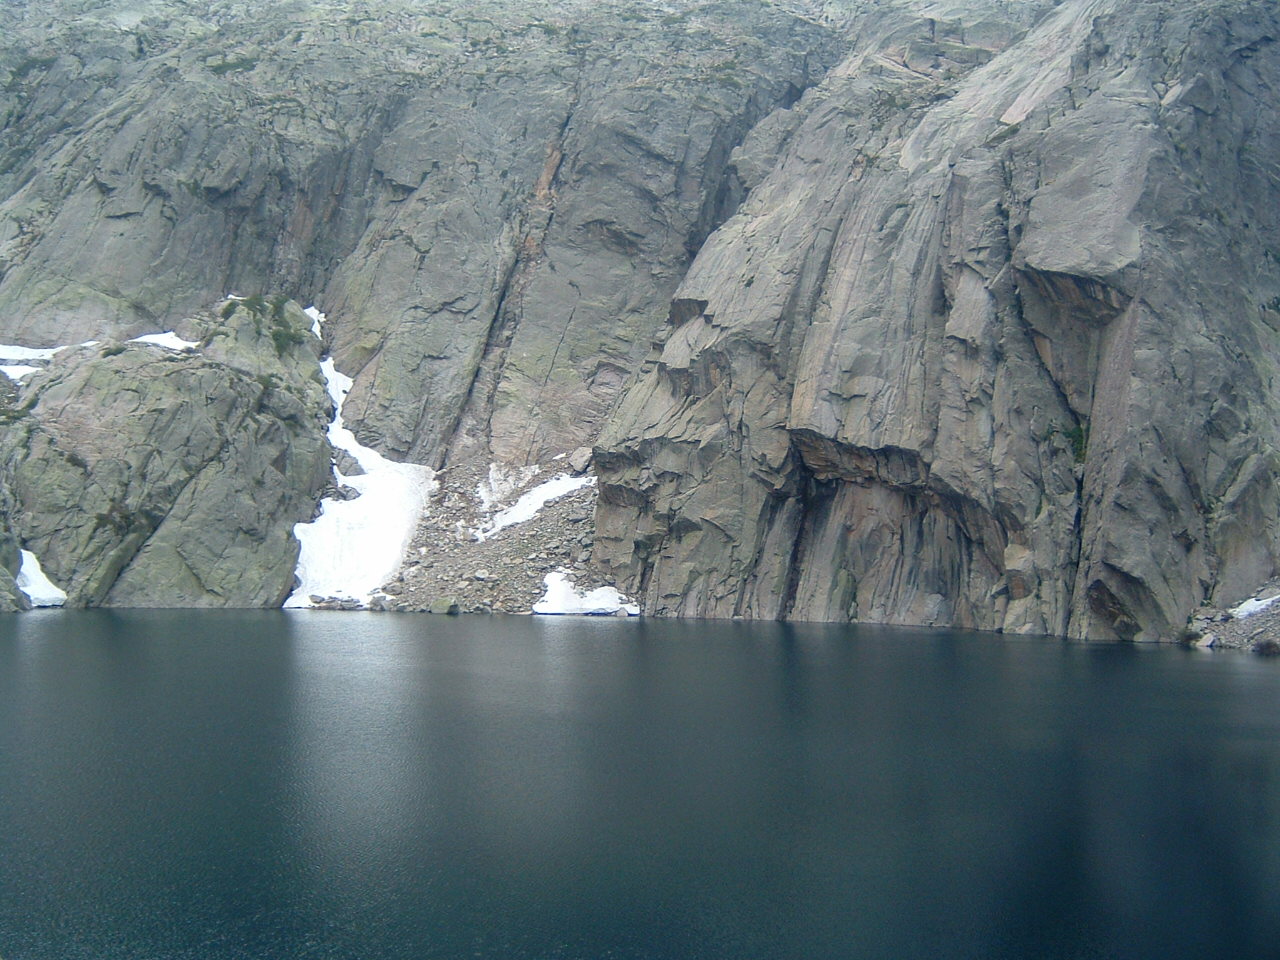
(910, 311)
(997, 352)
(493, 201)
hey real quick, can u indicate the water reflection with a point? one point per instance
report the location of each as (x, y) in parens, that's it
(354, 742)
(325, 785)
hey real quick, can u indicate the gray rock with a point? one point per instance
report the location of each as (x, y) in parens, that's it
(980, 329)
(493, 201)
(144, 477)
(11, 598)
(348, 466)
(984, 345)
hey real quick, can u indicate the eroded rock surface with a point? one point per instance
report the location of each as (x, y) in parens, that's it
(1253, 625)
(920, 311)
(451, 563)
(992, 342)
(492, 201)
(11, 598)
(146, 476)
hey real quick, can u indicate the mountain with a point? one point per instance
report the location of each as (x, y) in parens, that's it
(913, 312)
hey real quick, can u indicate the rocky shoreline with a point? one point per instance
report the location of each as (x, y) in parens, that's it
(1230, 628)
(450, 567)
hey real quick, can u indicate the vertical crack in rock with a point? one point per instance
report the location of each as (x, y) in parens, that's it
(471, 430)
(494, 265)
(929, 314)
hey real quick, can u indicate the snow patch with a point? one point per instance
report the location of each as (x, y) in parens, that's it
(531, 501)
(40, 590)
(562, 597)
(169, 340)
(15, 371)
(355, 546)
(501, 483)
(1250, 607)
(316, 319)
(9, 351)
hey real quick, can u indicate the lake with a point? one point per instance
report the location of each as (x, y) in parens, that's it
(212, 785)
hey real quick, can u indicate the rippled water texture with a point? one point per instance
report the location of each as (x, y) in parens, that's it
(319, 785)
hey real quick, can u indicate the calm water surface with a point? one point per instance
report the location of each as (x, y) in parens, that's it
(362, 786)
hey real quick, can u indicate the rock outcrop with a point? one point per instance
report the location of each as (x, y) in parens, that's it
(143, 475)
(992, 342)
(492, 201)
(908, 311)
(11, 598)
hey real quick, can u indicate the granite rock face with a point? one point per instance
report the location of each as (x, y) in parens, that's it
(911, 311)
(493, 201)
(993, 341)
(146, 476)
(11, 598)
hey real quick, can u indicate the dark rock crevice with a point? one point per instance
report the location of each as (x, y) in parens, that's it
(467, 437)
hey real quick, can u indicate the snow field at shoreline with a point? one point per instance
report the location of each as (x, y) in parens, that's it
(31, 580)
(355, 546)
(562, 597)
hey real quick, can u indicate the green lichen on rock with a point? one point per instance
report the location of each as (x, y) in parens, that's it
(148, 477)
(833, 287)
(11, 598)
(465, 186)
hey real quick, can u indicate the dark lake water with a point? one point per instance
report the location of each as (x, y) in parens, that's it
(363, 786)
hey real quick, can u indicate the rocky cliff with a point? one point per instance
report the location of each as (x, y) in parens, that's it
(992, 342)
(910, 312)
(144, 474)
(493, 201)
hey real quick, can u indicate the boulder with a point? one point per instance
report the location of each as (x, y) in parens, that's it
(143, 476)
